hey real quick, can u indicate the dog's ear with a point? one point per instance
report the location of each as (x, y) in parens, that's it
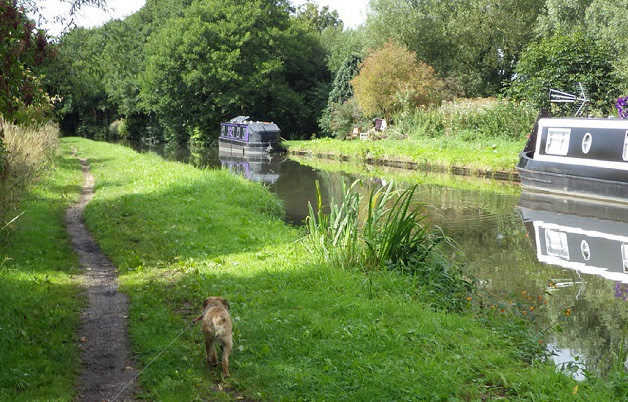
(225, 303)
(206, 302)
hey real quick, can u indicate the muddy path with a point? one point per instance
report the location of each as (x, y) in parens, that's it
(107, 371)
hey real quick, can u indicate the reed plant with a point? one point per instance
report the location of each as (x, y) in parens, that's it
(27, 152)
(392, 233)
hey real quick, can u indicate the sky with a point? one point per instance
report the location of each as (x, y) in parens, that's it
(351, 12)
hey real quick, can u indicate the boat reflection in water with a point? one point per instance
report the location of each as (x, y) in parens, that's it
(263, 168)
(588, 237)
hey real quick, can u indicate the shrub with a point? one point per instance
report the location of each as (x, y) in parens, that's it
(392, 80)
(471, 119)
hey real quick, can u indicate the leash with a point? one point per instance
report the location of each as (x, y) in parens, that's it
(194, 321)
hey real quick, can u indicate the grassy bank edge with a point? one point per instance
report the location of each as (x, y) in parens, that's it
(485, 158)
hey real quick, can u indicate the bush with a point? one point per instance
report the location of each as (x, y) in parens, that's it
(470, 120)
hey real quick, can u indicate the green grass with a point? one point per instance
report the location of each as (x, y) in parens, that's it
(303, 330)
(432, 153)
(39, 299)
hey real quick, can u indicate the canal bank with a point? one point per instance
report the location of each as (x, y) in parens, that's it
(179, 234)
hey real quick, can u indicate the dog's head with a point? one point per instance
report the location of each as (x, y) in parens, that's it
(216, 301)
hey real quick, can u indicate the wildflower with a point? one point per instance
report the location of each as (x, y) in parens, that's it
(531, 308)
(568, 312)
(469, 298)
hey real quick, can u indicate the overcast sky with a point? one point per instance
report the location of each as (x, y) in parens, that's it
(351, 12)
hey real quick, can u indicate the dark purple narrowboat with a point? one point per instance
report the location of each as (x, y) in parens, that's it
(242, 136)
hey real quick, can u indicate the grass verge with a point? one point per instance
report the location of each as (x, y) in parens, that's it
(39, 299)
(303, 330)
(471, 136)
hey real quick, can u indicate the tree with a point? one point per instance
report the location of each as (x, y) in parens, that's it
(606, 23)
(392, 80)
(318, 18)
(560, 61)
(472, 44)
(226, 58)
(340, 93)
(23, 50)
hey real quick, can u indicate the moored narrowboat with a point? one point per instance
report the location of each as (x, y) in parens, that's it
(241, 136)
(580, 157)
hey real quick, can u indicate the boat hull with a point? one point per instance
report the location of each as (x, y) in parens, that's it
(573, 180)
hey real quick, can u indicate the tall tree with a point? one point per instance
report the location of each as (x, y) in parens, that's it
(606, 22)
(384, 88)
(473, 44)
(23, 50)
(236, 57)
(559, 62)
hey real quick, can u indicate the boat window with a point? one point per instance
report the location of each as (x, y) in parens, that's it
(223, 131)
(556, 244)
(557, 141)
(625, 153)
(586, 143)
(624, 257)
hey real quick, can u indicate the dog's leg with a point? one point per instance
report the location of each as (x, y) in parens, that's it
(226, 350)
(209, 349)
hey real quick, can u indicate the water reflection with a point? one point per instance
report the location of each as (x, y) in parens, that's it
(486, 219)
(589, 238)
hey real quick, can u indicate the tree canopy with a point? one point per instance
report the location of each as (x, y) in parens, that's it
(176, 68)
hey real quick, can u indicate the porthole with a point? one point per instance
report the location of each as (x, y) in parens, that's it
(585, 250)
(586, 143)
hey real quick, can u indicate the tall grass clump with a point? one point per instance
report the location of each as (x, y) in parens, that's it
(28, 152)
(391, 232)
(470, 119)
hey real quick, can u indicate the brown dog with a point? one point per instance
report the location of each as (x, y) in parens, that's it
(217, 328)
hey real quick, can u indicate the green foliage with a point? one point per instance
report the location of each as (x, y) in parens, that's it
(473, 45)
(560, 61)
(390, 233)
(23, 50)
(222, 59)
(471, 120)
(562, 16)
(606, 23)
(318, 18)
(341, 115)
(384, 88)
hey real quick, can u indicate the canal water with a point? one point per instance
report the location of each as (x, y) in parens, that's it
(561, 262)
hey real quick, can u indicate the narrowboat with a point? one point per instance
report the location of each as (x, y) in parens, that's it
(580, 157)
(242, 136)
(577, 234)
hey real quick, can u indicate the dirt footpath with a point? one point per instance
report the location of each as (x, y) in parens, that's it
(107, 371)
